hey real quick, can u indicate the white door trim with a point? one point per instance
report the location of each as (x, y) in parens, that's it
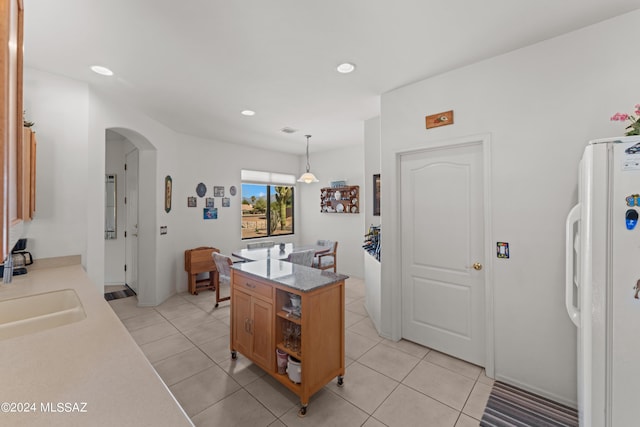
(132, 243)
(489, 254)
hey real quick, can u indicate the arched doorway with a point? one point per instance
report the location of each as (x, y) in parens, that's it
(129, 256)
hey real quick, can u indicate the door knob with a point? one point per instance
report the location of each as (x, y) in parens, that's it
(477, 266)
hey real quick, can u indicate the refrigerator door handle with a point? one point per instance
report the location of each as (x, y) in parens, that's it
(570, 274)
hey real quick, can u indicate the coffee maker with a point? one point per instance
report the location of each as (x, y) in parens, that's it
(20, 257)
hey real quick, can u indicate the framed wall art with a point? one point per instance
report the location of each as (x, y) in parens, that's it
(218, 191)
(168, 185)
(201, 189)
(192, 202)
(376, 194)
(226, 202)
(210, 202)
(210, 213)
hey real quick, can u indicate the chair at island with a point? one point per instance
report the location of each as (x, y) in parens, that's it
(328, 259)
(223, 266)
(302, 257)
(258, 245)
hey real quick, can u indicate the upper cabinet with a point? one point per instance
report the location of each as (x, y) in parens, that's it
(11, 42)
(26, 177)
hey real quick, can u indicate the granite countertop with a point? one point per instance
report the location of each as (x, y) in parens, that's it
(294, 276)
(90, 372)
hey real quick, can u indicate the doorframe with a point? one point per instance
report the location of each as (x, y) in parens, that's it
(148, 295)
(131, 258)
(485, 141)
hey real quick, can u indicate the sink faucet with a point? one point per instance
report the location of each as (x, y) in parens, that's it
(7, 274)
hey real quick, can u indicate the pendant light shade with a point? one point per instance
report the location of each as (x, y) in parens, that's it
(307, 177)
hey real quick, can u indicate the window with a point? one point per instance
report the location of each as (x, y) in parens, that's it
(267, 208)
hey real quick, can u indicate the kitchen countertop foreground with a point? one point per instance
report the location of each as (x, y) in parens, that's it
(88, 373)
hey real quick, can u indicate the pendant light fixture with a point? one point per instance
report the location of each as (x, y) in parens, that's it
(307, 177)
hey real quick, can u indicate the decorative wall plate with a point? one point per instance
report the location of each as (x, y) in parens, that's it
(201, 190)
(168, 185)
(232, 190)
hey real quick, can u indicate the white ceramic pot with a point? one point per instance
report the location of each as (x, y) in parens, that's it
(294, 370)
(295, 300)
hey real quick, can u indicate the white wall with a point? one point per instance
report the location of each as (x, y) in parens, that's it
(541, 105)
(71, 120)
(59, 108)
(372, 279)
(348, 229)
(371, 166)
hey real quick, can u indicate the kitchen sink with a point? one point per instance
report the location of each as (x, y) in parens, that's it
(38, 312)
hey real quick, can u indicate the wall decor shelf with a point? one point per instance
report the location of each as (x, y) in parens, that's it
(340, 199)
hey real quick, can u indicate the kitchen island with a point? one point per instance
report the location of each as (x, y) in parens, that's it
(263, 318)
(89, 372)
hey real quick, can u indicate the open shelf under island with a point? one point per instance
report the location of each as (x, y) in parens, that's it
(260, 317)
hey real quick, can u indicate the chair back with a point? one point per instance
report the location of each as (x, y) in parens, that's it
(223, 265)
(325, 243)
(257, 245)
(328, 259)
(302, 258)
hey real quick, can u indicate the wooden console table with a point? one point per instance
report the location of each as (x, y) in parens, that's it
(260, 291)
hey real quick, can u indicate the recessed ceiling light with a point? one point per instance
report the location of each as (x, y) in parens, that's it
(248, 113)
(101, 70)
(346, 68)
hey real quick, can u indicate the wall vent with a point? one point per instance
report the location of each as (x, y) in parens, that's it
(288, 130)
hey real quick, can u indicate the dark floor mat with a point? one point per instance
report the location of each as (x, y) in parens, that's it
(124, 293)
(509, 406)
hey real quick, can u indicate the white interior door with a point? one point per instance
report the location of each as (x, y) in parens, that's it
(131, 230)
(442, 213)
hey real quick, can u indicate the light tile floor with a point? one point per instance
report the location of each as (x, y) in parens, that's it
(386, 383)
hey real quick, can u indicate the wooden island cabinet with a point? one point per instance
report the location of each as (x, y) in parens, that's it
(261, 316)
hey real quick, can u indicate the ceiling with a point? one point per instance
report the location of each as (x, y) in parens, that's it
(193, 65)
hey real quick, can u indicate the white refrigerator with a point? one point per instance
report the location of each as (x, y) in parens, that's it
(602, 282)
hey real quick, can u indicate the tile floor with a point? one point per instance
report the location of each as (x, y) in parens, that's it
(386, 383)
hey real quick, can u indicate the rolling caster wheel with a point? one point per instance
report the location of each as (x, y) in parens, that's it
(234, 355)
(340, 381)
(302, 411)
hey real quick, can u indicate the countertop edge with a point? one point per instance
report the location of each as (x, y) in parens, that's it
(299, 272)
(94, 361)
